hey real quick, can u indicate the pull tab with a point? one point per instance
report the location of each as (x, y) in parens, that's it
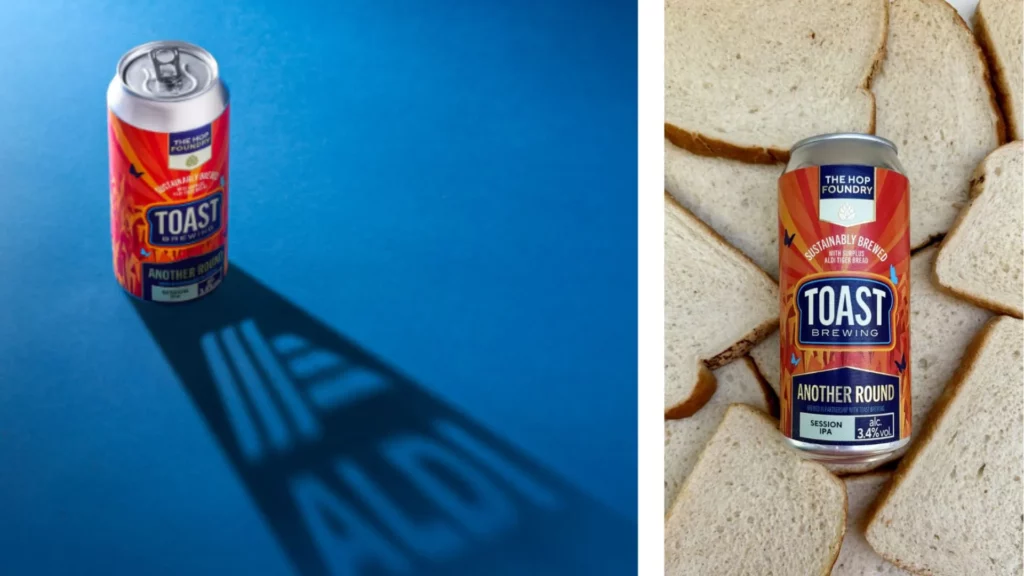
(167, 65)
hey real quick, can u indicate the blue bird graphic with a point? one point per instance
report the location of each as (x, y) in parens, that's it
(793, 359)
(892, 275)
(902, 364)
(134, 172)
(143, 252)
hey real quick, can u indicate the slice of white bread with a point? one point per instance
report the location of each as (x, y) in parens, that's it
(941, 328)
(954, 506)
(982, 258)
(998, 25)
(718, 304)
(753, 505)
(738, 383)
(746, 79)
(739, 201)
(934, 102)
(857, 558)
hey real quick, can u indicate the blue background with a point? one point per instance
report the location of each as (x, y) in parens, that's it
(450, 185)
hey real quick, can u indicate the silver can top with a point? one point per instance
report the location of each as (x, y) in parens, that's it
(844, 137)
(167, 71)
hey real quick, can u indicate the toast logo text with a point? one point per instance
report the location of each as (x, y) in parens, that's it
(846, 195)
(845, 311)
(184, 224)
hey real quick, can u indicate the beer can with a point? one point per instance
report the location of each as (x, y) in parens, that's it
(844, 294)
(167, 129)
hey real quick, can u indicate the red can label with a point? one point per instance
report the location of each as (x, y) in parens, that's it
(844, 279)
(168, 209)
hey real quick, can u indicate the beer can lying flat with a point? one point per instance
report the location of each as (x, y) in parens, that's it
(844, 291)
(167, 113)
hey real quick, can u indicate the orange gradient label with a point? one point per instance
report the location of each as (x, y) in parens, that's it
(168, 209)
(844, 324)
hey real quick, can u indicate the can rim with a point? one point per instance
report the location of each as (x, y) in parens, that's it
(198, 51)
(843, 136)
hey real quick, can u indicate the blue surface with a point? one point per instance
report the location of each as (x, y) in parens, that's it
(441, 193)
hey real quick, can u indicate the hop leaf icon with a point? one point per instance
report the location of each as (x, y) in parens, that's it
(846, 212)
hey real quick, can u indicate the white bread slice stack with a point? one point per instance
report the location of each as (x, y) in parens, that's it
(982, 258)
(739, 201)
(738, 383)
(941, 328)
(746, 79)
(934, 102)
(998, 25)
(718, 304)
(753, 505)
(857, 558)
(954, 506)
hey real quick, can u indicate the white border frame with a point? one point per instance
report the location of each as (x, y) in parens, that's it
(650, 286)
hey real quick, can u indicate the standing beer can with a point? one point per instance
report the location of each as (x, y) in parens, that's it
(844, 295)
(167, 113)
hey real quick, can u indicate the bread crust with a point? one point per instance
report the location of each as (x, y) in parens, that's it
(702, 392)
(876, 66)
(707, 146)
(977, 187)
(770, 399)
(927, 431)
(743, 345)
(704, 145)
(761, 372)
(999, 88)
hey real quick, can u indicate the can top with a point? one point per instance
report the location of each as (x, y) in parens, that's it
(167, 70)
(844, 137)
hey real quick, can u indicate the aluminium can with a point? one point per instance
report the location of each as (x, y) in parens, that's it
(844, 295)
(167, 129)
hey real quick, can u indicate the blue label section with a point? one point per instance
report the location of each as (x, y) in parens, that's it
(190, 140)
(846, 182)
(846, 407)
(845, 311)
(183, 280)
(183, 224)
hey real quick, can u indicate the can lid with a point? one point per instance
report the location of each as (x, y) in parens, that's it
(844, 136)
(167, 70)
